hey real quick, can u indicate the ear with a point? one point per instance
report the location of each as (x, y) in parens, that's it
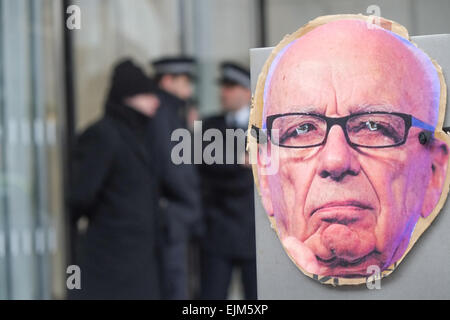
(439, 162)
(263, 177)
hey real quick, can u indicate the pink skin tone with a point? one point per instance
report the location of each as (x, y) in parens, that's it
(146, 104)
(179, 85)
(339, 209)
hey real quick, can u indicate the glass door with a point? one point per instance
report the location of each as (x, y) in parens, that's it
(30, 157)
(3, 252)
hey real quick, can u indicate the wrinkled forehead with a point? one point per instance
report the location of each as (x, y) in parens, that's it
(346, 63)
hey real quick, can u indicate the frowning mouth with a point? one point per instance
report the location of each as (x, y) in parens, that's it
(343, 205)
(337, 262)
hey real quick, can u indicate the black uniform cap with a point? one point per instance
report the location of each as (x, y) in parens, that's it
(234, 74)
(175, 65)
(129, 80)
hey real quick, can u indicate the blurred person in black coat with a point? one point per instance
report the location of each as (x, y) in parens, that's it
(115, 187)
(228, 196)
(179, 199)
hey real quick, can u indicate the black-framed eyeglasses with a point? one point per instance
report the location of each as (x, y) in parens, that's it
(376, 129)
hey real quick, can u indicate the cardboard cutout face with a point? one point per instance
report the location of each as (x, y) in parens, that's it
(354, 165)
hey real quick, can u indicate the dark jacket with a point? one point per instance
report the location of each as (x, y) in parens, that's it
(115, 187)
(228, 202)
(179, 184)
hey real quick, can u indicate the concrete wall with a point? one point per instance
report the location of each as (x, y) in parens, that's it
(113, 29)
(147, 29)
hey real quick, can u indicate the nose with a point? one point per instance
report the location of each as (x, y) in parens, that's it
(337, 159)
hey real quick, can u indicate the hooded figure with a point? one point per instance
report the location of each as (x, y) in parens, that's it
(115, 188)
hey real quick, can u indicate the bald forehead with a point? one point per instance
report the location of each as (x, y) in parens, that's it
(344, 64)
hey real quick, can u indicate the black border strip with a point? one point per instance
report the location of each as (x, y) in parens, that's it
(69, 132)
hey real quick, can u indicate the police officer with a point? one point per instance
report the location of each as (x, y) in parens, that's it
(176, 76)
(179, 198)
(227, 192)
(114, 186)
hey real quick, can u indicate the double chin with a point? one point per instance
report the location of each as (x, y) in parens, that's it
(341, 237)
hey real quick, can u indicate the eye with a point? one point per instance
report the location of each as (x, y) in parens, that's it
(376, 127)
(298, 131)
(376, 130)
(304, 128)
(371, 125)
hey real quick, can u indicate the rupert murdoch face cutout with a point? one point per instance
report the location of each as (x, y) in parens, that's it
(352, 111)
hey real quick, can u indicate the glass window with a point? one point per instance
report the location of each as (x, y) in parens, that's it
(31, 103)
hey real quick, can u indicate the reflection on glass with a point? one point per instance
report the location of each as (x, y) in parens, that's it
(30, 101)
